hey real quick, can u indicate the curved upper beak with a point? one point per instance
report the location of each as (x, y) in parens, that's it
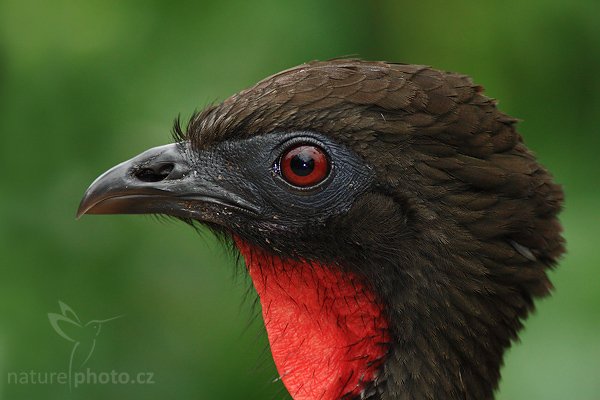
(161, 180)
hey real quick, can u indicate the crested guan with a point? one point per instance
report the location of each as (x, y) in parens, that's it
(394, 225)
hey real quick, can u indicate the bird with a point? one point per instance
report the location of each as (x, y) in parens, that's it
(395, 226)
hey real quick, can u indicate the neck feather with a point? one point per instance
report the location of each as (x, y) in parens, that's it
(438, 338)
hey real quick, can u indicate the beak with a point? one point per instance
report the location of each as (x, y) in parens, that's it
(110, 319)
(162, 180)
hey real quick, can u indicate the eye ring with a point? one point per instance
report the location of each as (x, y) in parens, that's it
(304, 165)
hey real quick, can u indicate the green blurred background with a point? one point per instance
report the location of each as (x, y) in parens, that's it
(86, 84)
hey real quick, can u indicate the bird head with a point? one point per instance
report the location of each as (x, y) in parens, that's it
(394, 224)
(94, 326)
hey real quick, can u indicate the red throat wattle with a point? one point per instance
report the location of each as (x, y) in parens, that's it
(327, 332)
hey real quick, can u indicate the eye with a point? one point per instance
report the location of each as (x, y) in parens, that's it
(304, 165)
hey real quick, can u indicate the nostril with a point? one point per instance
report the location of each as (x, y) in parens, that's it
(154, 174)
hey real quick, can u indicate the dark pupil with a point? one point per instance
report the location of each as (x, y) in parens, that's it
(302, 164)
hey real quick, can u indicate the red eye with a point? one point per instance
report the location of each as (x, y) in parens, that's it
(304, 165)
